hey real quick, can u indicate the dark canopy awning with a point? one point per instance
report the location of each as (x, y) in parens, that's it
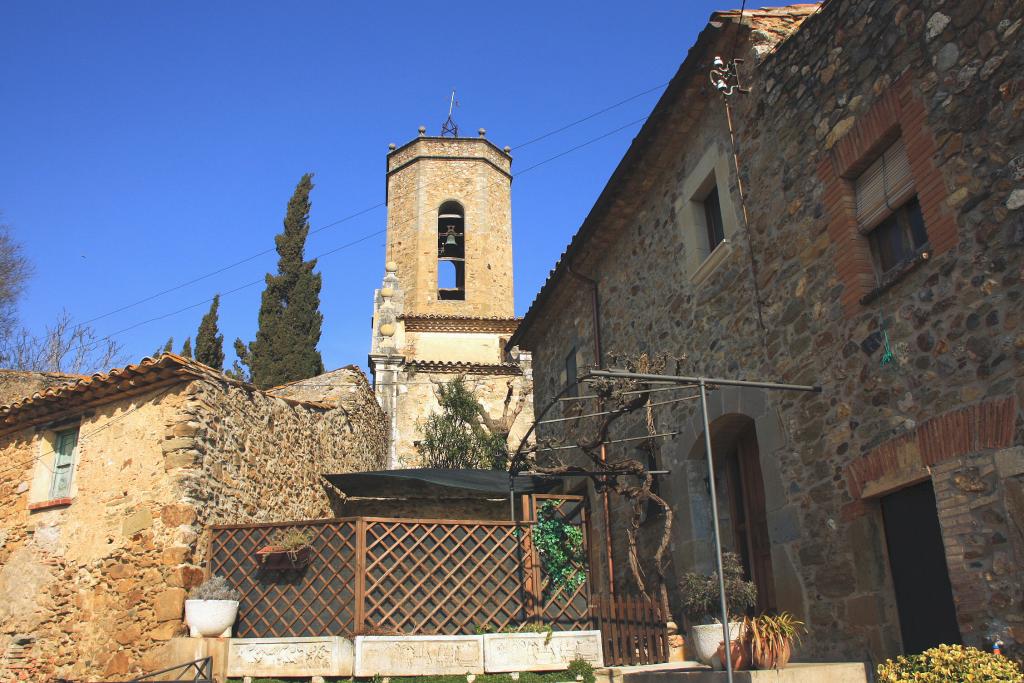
(425, 482)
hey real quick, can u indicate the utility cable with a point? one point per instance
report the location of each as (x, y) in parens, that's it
(342, 247)
(351, 216)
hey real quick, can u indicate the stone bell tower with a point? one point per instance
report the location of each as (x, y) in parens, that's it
(445, 306)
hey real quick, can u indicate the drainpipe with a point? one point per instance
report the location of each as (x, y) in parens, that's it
(599, 360)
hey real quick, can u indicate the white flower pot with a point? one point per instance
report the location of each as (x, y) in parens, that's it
(211, 618)
(706, 638)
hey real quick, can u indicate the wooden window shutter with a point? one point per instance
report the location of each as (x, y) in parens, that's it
(63, 463)
(884, 186)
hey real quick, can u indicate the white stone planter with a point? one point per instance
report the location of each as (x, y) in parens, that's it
(706, 638)
(508, 652)
(210, 618)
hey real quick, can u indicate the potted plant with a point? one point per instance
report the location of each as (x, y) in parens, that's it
(211, 609)
(772, 638)
(289, 549)
(702, 606)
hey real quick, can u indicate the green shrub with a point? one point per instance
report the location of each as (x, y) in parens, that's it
(581, 668)
(950, 664)
(701, 592)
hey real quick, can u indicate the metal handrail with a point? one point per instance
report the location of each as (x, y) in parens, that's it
(200, 670)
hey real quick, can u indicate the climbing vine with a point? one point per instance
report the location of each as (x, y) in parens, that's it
(560, 544)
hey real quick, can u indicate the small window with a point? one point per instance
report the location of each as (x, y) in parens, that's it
(898, 238)
(572, 373)
(65, 446)
(713, 219)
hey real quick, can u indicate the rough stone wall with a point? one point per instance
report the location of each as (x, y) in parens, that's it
(108, 574)
(475, 176)
(243, 456)
(953, 323)
(346, 387)
(417, 400)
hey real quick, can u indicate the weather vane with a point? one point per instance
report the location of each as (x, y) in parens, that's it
(449, 128)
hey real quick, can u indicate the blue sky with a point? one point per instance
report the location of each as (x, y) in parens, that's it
(143, 145)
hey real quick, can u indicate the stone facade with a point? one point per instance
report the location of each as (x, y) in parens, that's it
(93, 583)
(795, 299)
(421, 338)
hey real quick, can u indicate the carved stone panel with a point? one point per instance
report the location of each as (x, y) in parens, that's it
(320, 656)
(419, 655)
(540, 651)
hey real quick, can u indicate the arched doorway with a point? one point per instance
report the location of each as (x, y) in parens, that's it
(743, 517)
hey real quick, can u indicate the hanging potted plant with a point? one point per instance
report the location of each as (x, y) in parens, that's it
(289, 549)
(772, 638)
(702, 605)
(211, 609)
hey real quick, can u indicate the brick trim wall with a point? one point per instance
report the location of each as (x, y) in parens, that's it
(953, 434)
(897, 112)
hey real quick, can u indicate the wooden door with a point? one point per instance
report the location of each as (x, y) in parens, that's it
(741, 467)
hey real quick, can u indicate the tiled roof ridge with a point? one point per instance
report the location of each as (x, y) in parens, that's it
(463, 365)
(183, 368)
(447, 316)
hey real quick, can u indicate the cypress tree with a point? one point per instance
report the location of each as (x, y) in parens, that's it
(186, 348)
(168, 348)
(209, 344)
(289, 320)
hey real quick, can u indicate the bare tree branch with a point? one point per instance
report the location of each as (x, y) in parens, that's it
(66, 346)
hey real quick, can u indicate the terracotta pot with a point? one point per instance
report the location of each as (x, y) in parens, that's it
(766, 660)
(738, 651)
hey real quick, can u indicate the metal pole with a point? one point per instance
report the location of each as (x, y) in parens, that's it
(512, 498)
(700, 380)
(718, 535)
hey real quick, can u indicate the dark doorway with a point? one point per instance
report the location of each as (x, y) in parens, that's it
(742, 510)
(917, 560)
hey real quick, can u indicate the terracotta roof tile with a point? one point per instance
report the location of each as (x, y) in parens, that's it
(149, 373)
(465, 367)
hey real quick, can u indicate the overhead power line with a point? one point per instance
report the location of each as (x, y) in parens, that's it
(342, 247)
(352, 216)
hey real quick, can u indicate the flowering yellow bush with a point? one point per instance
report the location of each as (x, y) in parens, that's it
(950, 664)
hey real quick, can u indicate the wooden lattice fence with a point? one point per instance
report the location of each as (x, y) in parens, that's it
(377, 575)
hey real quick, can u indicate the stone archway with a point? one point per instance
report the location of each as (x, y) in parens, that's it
(742, 422)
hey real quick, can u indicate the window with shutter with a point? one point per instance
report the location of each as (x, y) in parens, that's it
(884, 186)
(888, 211)
(66, 443)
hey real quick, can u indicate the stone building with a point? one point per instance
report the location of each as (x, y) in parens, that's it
(108, 483)
(881, 152)
(445, 306)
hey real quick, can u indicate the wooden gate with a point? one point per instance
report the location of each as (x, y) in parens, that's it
(633, 630)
